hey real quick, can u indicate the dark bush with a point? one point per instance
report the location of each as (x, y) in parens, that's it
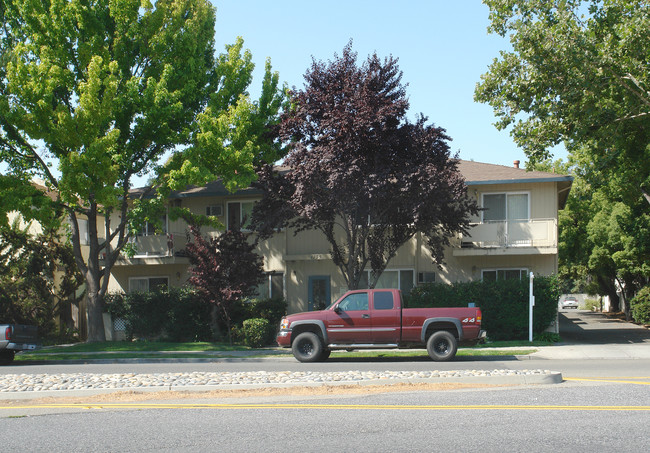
(640, 306)
(504, 304)
(257, 332)
(270, 309)
(176, 315)
(180, 314)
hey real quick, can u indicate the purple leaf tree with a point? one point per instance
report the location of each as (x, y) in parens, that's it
(225, 269)
(360, 172)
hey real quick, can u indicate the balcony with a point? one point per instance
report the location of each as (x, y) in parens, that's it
(157, 249)
(509, 237)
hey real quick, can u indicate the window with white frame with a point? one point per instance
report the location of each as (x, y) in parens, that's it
(239, 214)
(146, 284)
(272, 287)
(504, 274)
(506, 206)
(403, 279)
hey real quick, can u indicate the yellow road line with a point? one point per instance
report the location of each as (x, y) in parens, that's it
(616, 381)
(331, 407)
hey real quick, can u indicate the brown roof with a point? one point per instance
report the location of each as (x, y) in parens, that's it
(480, 173)
(475, 173)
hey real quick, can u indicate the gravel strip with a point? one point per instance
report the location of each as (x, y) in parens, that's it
(88, 381)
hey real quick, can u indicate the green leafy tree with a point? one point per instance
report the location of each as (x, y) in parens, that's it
(93, 94)
(579, 74)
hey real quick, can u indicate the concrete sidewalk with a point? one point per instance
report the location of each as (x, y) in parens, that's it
(590, 351)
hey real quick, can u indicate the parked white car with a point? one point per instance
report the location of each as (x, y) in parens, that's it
(570, 302)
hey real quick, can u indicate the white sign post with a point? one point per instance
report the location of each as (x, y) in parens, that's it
(531, 304)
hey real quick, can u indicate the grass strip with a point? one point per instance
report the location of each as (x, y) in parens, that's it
(35, 356)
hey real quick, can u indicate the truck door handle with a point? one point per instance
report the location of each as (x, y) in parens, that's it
(365, 316)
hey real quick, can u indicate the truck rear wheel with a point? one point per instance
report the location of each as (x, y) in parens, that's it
(307, 347)
(442, 346)
(6, 357)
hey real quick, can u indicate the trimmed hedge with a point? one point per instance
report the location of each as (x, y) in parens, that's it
(180, 314)
(504, 304)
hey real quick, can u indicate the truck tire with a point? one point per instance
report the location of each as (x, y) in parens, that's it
(324, 355)
(307, 347)
(442, 346)
(6, 357)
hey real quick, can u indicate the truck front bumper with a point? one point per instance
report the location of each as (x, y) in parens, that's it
(284, 338)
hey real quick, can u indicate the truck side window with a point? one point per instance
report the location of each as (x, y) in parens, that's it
(356, 301)
(383, 300)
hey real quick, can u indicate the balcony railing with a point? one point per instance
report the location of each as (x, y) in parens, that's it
(159, 245)
(537, 233)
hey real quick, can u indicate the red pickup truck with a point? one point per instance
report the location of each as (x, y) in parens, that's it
(374, 318)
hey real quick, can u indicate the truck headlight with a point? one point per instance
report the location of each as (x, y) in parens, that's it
(284, 324)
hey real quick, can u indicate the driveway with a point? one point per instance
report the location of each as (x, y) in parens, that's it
(589, 335)
(587, 327)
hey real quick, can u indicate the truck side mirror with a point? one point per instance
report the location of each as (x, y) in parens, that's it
(337, 309)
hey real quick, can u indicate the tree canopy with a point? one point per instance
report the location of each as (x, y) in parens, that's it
(359, 171)
(93, 94)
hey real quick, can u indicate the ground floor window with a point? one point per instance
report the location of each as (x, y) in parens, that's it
(504, 274)
(426, 277)
(403, 279)
(145, 284)
(272, 287)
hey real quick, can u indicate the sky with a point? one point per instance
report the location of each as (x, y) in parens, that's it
(443, 47)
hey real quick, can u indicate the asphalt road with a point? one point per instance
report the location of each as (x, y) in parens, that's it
(568, 417)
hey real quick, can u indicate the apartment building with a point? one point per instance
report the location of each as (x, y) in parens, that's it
(515, 233)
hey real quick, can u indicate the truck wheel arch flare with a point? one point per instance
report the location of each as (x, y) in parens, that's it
(454, 321)
(320, 325)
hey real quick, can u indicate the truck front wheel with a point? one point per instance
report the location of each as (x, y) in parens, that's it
(307, 347)
(442, 346)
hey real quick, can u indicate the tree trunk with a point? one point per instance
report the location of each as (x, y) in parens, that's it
(608, 287)
(95, 315)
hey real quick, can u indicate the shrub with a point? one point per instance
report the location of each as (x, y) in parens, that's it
(640, 306)
(257, 332)
(504, 304)
(270, 309)
(592, 305)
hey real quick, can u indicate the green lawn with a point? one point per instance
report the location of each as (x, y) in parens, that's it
(152, 349)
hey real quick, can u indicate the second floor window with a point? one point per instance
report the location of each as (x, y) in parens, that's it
(239, 215)
(505, 206)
